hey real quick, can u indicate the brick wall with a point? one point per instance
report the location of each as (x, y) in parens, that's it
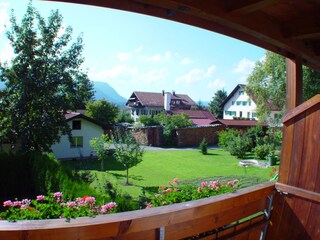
(193, 136)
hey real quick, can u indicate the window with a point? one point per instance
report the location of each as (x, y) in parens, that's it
(240, 113)
(254, 115)
(244, 103)
(249, 102)
(232, 103)
(76, 125)
(248, 114)
(76, 142)
(231, 113)
(241, 92)
(238, 103)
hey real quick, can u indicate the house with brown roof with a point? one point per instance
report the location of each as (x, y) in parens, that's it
(147, 103)
(240, 104)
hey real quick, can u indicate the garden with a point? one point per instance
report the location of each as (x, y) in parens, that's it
(91, 186)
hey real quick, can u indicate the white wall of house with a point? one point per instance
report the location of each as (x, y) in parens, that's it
(88, 130)
(137, 112)
(240, 105)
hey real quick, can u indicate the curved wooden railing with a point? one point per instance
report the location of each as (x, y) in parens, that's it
(220, 215)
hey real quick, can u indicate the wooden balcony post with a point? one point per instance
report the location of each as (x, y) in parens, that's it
(294, 83)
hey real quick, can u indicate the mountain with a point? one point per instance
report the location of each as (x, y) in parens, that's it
(104, 90)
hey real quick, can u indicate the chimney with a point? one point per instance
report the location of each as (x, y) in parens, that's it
(162, 92)
(167, 100)
(173, 92)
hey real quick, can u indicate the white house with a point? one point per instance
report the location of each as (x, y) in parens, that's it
(239, 104)
(83, 130)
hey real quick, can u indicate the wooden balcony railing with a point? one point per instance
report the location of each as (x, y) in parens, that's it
(219, 216)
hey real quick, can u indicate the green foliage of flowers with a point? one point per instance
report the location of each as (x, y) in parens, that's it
(176, 193)
(54, 206)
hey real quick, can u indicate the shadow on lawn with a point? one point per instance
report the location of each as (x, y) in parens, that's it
(93, 164)
(120, 176)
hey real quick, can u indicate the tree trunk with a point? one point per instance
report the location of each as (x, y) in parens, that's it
(127, 183)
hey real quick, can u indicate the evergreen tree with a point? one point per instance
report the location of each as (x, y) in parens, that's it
(215, 104)
(43, 81)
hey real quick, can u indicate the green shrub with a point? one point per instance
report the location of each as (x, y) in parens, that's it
(204, 146)
(226, 136)
(262, 151)
(255, 136)
(238, 146)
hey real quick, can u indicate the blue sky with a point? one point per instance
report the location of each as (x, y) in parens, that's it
(134, 52)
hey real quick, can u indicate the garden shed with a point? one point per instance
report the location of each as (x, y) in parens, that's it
(287, 209)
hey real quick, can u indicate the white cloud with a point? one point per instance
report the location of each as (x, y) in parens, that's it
(4, 17)
(6, 53)
(154, 76)
(157, 57)
(195, 75)
(245, 66)
(216, 84)
(124, 56)
(186, 61)
(115, 72)
(167, 55)
(210, 71)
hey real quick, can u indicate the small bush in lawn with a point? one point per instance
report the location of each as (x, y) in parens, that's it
(262, 151)
(177, 193)
(238, 146)
(204, 146)
(53, 206)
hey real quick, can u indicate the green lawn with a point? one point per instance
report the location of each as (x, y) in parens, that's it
(158, 167)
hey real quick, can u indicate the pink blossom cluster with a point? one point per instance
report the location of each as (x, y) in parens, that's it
(58, 196)
(175, 180)
(233, 183)
(108, 207)
(90, 200)
(21, 204)
(40, 198)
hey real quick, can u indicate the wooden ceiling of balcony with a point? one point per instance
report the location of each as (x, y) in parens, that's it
(288, 27)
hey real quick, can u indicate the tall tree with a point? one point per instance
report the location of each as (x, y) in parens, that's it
(267, 83)
(215, 104)
(42, 81)
(103, 111)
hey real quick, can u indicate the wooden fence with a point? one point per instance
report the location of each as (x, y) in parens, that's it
(220, 215)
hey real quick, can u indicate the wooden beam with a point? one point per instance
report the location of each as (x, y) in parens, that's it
(298, 192)
(248, 6)
(294, 83)
(307, 27)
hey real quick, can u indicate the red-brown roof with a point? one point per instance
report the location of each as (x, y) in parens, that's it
(198, 117)
(153, 99)
(72, 115)
(239, 123)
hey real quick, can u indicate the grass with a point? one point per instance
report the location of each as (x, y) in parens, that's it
(158, 167)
